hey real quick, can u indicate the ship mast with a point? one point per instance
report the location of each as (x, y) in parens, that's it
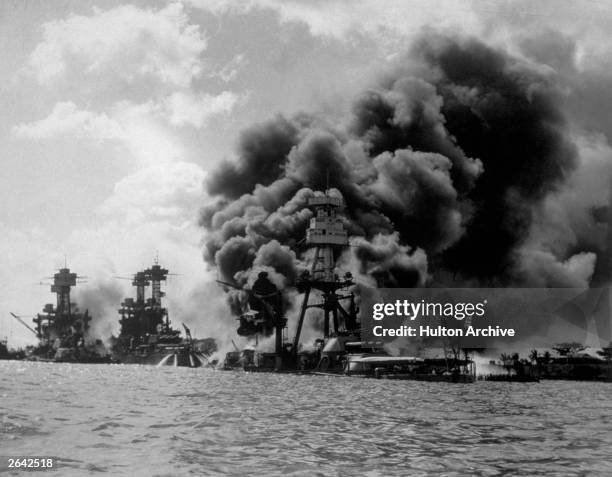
(326, 234)
(61, 317)
(145, 316)
(132, 311)
(156, 274)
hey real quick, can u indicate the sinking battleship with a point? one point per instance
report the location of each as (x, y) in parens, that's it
(340, 350)
(265, 315)
(62, 330)
(146, 335)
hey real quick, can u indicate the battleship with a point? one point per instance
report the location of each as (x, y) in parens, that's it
(147, 336)
(340, 350)
(265, 314)
(62, 330)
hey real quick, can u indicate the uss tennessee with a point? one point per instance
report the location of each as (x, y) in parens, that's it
(442, 331)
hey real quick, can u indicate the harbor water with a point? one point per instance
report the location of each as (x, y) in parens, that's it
(165, 421)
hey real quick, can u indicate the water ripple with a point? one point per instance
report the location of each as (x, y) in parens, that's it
(138, 420)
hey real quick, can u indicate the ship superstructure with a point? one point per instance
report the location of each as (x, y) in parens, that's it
(264, 317)
(146, 335)
(63, 321)
(327, 235)
(62, 330)
(146, 319)
(325, 288)
(321, 287)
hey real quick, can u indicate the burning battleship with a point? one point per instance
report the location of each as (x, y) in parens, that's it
(62, 330)
(340, 349)
(453, 167)
(147, 336)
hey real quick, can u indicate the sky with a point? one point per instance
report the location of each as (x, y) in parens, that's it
(112, 114)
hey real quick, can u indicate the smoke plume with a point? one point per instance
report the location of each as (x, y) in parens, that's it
(101, 301)
(448, 167)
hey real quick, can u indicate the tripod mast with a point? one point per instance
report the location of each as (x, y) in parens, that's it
(326, 234)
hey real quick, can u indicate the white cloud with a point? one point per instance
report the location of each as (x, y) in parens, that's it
(169, 192)
(67, 120)
(141, 128)
(223, 6)
(336, 18)
(126, 41)
(392, 23)
(187, 108)
(135, 126)
(230, 70)
(146, 134)
(138, 125)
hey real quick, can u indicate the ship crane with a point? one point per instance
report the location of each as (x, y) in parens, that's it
(18, 318)
(327, 235)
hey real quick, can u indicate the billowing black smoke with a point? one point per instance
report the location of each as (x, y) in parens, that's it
(262, 152)
(442, 167)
